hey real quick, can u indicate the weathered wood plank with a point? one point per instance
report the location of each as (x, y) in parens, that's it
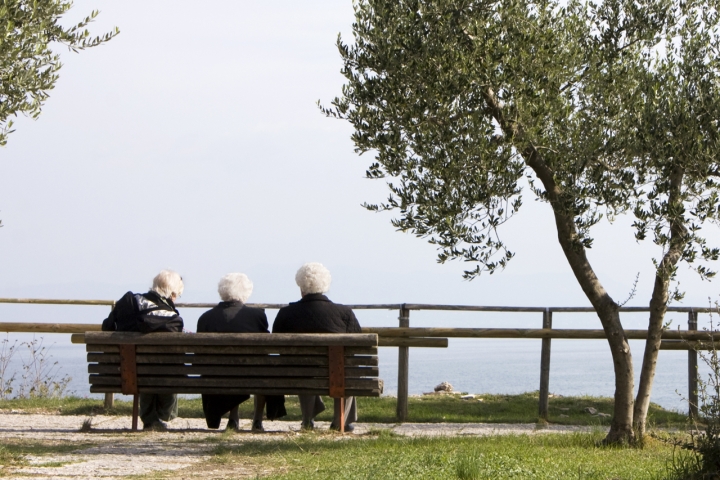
(236, 382)
(174, 359)
(469, 308)
(225, 350)
(237, 339)
(47, 327)
(241, 371)
(688, 345)
(359, 361)
(427, 342)
(237, 391)
(291, 360)
(533, 333)
(128, 370)
(336, 368)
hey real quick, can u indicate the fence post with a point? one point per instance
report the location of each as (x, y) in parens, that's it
(403, 369)
(692, 369)
(545, 367)
(110, 397)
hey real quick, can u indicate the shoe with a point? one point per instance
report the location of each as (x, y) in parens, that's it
(348, 428)
(232, 425)
(155, 427)
(307, 426)
(257, 427)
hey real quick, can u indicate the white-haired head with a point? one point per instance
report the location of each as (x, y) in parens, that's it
(313, 277)
(235, 287)
(168, 284)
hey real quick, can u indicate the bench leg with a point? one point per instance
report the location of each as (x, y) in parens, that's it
(135, 413)
(342, 415)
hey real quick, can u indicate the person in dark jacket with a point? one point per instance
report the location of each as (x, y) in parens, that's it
(315, 313)
(231, 315)
(153, 311)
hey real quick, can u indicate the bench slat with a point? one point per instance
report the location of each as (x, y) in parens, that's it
(225, 350)
(237, 339)
(237, 391)
(237, 382)
(245, 371)
(178, 359)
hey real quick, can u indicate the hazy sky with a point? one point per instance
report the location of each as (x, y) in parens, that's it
(192, 141)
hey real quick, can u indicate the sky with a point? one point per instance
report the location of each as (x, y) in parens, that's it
(193, 141)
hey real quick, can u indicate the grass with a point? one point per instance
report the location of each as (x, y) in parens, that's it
(382, 454)
(386, 456)
(426, 409)
(13, 453)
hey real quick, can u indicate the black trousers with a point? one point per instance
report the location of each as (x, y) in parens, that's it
(215, 406)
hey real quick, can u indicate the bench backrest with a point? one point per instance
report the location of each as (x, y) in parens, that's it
(233, 363)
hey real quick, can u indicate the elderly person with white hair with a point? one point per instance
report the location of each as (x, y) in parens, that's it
(153, 311)
(315, 313)
(231, 315)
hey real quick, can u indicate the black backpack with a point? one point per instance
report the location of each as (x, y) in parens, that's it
(126, 316)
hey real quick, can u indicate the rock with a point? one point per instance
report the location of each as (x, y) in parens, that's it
(562, 415)
(603, 415)
(590, 410)
(564, 409)
(444, 387)
(480, 400)
(467, 397)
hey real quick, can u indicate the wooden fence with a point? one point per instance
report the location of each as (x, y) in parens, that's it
(404, 337)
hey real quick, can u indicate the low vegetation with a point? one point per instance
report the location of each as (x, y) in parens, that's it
(386, 456)
(14, 453)
(382, 454)
(484, 408)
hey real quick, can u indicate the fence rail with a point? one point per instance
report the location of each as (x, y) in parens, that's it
(403, 337)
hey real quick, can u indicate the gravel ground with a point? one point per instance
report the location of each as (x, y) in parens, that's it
(187, 442)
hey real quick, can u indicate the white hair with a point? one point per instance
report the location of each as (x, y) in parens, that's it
(313, 277)
(167, 283)
(235, 287)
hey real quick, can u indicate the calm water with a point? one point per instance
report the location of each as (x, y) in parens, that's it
(578, 367)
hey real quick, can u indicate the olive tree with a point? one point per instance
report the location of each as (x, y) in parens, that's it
(460, 100)
(675, 139)
(28, 65)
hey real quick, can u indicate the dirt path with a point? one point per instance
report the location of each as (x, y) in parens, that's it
(109, 450)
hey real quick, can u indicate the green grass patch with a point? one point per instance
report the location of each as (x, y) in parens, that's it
(486, 408)
(568, 456)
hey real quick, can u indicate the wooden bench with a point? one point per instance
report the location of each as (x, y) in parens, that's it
(337, 365)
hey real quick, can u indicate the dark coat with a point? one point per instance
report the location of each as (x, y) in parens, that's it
(234, 317)
(143, 312)
(315, 313)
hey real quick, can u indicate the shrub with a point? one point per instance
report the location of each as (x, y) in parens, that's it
(703, 462)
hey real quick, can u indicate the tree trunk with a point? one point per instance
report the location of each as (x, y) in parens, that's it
(621, 429)
(659, 301)
(658, 307)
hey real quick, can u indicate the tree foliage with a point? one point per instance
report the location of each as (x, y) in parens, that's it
(28, 64)
(675, 139)
(452, 96)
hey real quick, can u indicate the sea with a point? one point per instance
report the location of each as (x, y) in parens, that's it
(477, 366)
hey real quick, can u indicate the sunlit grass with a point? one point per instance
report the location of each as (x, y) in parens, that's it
(567, 456)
